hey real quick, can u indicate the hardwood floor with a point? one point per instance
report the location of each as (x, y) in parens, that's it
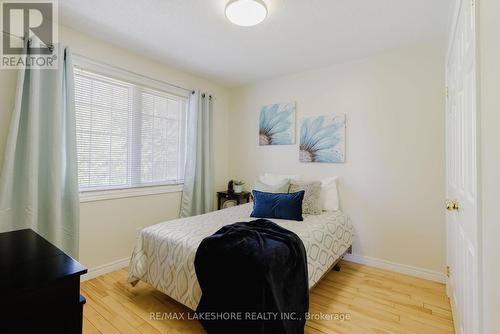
(377, 301)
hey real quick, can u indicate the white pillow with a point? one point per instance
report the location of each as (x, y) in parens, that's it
(275, 188)
(329, 194)
(275, 179)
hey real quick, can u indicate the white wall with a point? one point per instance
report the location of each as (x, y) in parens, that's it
(108, 228)
(490, 162)
(393, 182)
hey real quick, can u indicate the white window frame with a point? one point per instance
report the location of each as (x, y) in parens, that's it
(102, 195)
(140, 80)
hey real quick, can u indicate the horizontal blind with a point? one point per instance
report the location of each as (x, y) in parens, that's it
(127, 135)
(160, 138)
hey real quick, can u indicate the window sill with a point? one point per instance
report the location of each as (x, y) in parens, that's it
(103, 195)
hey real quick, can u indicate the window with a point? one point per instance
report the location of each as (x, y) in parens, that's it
(129, 134)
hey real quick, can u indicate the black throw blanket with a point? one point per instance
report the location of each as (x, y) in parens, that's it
(253, 278)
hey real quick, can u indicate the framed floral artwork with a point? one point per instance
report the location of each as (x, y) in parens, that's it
(277, 124)
(322, 139)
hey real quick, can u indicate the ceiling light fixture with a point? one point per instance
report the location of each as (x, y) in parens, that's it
(246, 13)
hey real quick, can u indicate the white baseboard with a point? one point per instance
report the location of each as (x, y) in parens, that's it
(369, 261)
(398, 267)
(106, 268)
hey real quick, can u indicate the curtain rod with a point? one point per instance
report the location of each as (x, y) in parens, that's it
(10, 34)
(49, 46)
(134, 73)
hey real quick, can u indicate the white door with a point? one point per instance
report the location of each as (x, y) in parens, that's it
(461, 170)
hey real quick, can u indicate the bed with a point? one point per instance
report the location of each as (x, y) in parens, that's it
(164, 253)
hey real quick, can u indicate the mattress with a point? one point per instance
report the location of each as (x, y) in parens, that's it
(164, 253)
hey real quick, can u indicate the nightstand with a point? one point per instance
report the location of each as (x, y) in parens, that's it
(224, 196)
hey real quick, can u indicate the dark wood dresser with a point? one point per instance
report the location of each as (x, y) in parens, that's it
(40, 286)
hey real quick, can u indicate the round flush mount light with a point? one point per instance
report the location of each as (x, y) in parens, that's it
(246, 13)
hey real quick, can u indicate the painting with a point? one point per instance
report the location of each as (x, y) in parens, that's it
(277, 124)
(322, 139)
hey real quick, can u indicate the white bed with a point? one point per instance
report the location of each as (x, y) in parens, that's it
(164, 253)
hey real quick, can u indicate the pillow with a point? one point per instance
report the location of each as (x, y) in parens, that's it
(311, 203)
(274, 179)
(329, 194)
(281, 187)
(280, 206)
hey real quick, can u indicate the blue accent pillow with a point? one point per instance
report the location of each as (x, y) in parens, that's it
(280, 206)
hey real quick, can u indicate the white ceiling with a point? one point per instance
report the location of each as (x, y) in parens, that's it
(194, 35)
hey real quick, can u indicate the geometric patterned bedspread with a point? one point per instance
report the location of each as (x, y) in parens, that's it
(164, 253)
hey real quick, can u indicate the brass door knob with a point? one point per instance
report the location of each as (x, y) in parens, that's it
(452, 205)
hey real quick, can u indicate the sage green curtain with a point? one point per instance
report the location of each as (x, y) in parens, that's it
(198, 192)
(39, 180)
